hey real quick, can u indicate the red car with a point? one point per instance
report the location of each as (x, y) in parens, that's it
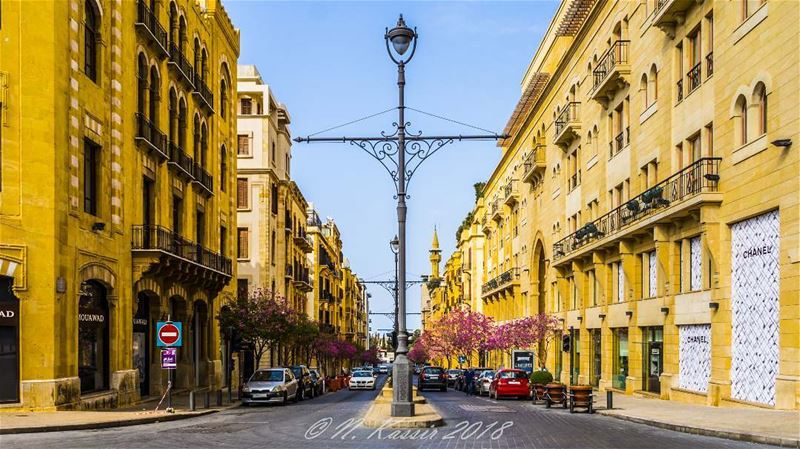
(510, 382)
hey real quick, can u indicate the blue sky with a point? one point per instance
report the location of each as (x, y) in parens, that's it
(327, 62)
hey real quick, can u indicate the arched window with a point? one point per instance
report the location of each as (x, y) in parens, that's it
(182, 125)
(652, 86)
(643, 88)
(173, 24)
(91, 36)
(196, 55)
(182, 35)
(173, 116)
(223, 168)
(141, 84)
(740, 120)
(203, 146)
(196, 140)
(203, 64)
(223, 98)
(761, 98)
(155, 96)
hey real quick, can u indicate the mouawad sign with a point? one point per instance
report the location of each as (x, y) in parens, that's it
(755, 282)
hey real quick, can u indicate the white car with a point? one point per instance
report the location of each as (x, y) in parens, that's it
(362, 380)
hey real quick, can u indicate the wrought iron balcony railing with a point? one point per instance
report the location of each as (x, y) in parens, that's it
(574, 180)
(160, 238)
(148, 134)
(700, 177)
(203, 179)
(609, 62)
(182, 162)
(680, 89)
(534, 165)
(202, 91)
(694, 77)
(619, 142)
(179, 61)
(510, 192)
(148, 23)
(568, 115)
(505, 278)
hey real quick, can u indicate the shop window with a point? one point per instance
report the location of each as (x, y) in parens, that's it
(93, 339)
(652, 358)
(619, 369)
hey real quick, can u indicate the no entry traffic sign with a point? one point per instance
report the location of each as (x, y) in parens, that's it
(169, 334)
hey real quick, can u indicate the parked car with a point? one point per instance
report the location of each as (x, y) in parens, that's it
(270, 385)
(362, 380)
(383, 369)
(461, 383)
(452, 376)
(318, 382)
(432, 377)
(376, 370)
(306, 385)
(483, 381)
(510, 382)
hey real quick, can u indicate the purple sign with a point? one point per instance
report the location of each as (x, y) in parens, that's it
(169, 358)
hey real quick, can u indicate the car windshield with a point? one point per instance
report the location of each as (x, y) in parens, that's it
(454, 371)
(297, 371)
(487, 374)
(362, 374)
(433, 371)
(513, 375)
(267, 376)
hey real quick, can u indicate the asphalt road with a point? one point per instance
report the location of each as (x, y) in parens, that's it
(330, 422)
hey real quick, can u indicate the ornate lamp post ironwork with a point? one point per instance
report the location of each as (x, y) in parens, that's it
(401, 153)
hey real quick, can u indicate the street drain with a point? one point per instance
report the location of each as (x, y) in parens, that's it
(487, 408)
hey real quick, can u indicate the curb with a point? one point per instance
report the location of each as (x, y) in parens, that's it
(729, 435)
(110, 424)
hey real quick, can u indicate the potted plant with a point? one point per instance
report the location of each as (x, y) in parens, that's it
(555, 393)
(538, 380)
(580, 396)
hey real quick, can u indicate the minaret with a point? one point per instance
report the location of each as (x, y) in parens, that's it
(436, 255)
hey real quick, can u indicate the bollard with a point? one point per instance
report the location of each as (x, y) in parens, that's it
(191, 401)
(609, 399)
(207, 402)
(219, 398)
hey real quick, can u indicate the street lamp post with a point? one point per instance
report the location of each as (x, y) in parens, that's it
(401, 154)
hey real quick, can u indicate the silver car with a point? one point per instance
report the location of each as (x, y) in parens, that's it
(483, 382)
(270, 385)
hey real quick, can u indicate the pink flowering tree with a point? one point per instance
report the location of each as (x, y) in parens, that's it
(370, 356)
(261, 318)
(419, 351)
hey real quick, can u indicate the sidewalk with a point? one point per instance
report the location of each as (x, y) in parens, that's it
(775, 427)
(140, 413)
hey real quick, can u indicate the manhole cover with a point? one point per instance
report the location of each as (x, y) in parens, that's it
(487, 408)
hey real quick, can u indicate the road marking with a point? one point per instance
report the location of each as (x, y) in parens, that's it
(486, 408)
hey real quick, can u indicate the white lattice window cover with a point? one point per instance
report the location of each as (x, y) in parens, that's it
(694, 357)
(652, 278)
(755, 277)
(620, 283)
(696, 267)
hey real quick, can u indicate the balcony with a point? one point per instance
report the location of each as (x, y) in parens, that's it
(166, 255)
(302, 281)
(535, 165)
(683, 191)
(510, 193)
(147, 24)
(620, 141)
(496, 211)
(150, 137)
(181, 162)
(669, 13)
(203, 94)
(203, 179)
(612, 72)
(574, 181)
(505, 280)
(304, 242)
(567, 124)
(181, 65)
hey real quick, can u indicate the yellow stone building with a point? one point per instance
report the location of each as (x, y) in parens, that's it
(648, 198)
(114, 196)
(273, 248)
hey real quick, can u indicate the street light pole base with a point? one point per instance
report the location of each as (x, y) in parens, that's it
(402, 401)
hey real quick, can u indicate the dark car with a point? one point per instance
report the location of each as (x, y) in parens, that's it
(318, 381)
(462, 383)
(432, 377)
(306, 384)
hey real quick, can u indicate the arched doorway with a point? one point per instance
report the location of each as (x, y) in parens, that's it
(93, 340)
(9, 342)
(142, 342)
(540, 287)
